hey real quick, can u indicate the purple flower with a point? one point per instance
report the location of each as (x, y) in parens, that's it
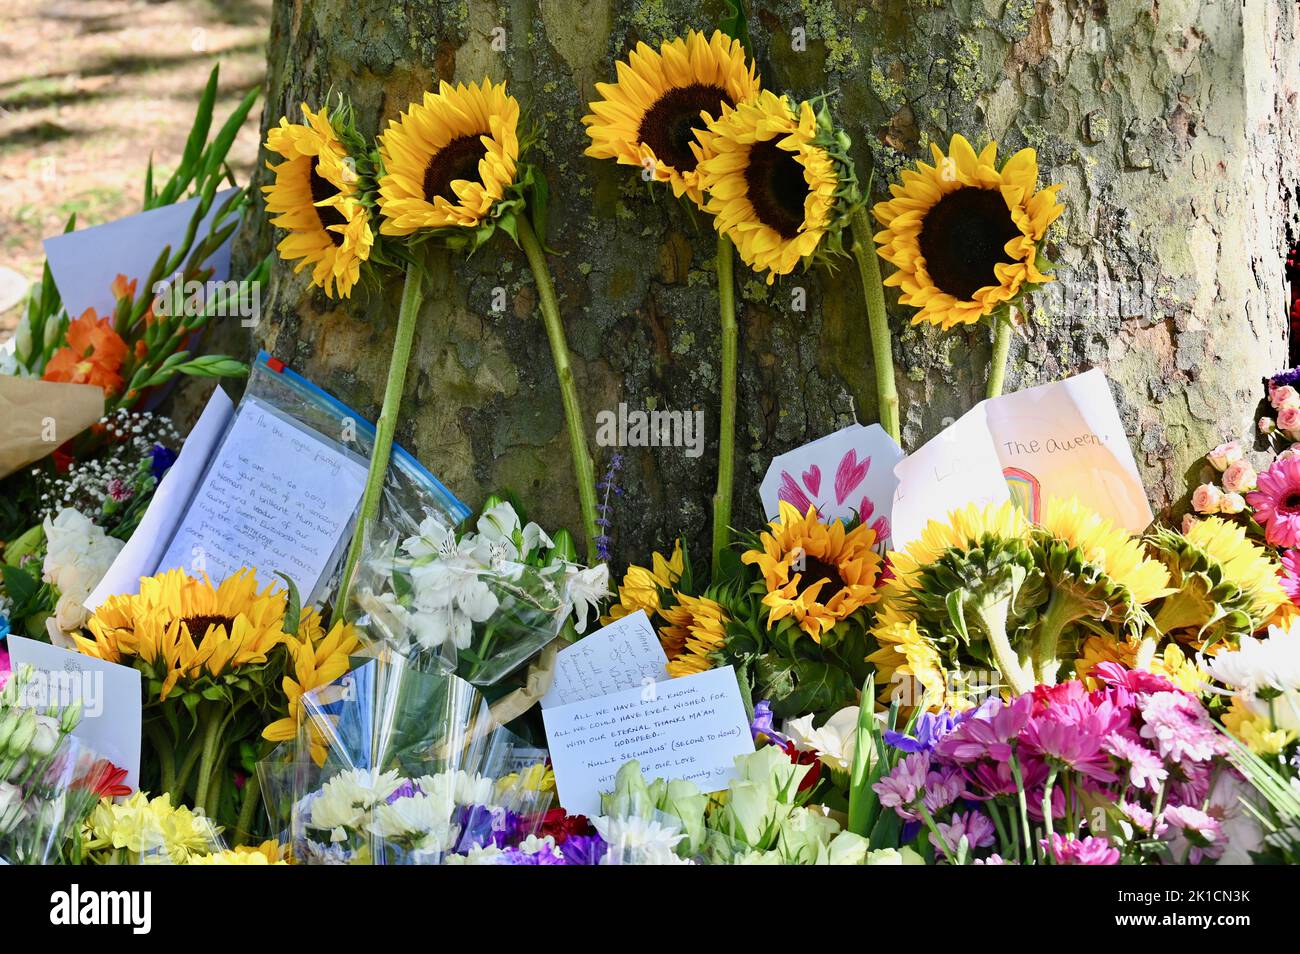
(161, 458)
(408, 789)
(930, 728)
(544, 856)
(1193, 835)
(608, 485)
(974, 825)
(943, 786)
(1144, 769)
(1080, 851)
(1178, 725)
(988, 732)
(762, 724)
(583, 849)
(902, 787)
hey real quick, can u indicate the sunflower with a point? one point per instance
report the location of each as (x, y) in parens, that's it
(314, 198)
(1225, 586)
(315, 660)
(774, 181)
(642, 587)
(181, 629)
(1097, 573)
(93, 354)
(964, 235)
(909, 668)
(663, 100)
(963, 529)
(448, 159)
(697, 628)
(819, 574)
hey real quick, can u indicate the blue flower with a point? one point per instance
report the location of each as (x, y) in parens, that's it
(929, 729)
(163, 458)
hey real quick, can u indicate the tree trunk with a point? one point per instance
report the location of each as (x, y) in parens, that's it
(1173, 125)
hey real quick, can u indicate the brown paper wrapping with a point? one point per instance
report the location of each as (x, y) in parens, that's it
(31, 411)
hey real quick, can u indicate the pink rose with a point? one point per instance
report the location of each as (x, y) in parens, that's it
(1207, 498)
(1189, 520)
(1288, 418)
(1239, 477)
(1283, 397)
(1225, 454)
(1232, 503)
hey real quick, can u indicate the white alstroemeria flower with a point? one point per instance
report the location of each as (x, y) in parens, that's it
(501, 539)
(587, 587)
(435, 539)
(834, 743)
(449, 595)
(639, 841)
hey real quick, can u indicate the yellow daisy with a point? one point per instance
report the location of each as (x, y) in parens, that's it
(314, 199)
(772, 185)
(819, 574)
(448, 159)
(663, 100)
(964, 234)
(697, 628)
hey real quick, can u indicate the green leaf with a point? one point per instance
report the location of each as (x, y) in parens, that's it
(736, 25)
(862, 800)
(293, 612)
(20, 585)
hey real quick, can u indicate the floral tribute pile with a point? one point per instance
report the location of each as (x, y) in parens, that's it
(1002, 690)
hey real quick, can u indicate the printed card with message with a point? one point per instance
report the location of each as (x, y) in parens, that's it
(845, 474)
(1056, 440)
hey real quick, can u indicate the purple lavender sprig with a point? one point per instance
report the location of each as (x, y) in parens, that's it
(608, 486)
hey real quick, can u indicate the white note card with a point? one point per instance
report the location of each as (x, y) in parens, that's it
(624, 654)
(278, 497)
(690, 728)
(109, 695)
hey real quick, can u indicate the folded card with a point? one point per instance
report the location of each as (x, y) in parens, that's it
(277, 496)
(109, 695)
(845, 474)
(624, 654)
(85, 262)
(1057, 440)
(689, 728)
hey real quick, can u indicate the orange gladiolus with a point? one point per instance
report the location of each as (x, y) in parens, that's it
(93, 355)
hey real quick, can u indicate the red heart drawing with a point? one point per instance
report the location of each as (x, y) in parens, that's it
(849, 474)
(812, 479)
(791, 493)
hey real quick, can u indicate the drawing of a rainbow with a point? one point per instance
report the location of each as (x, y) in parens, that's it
(1026, 491)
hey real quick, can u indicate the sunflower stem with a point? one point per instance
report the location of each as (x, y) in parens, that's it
(882, 345)
(1003, 327)
(727, 415)
(1004, 656)
(213, 721)
(252, 798)
(1062, 610)
(385, 428)
(583, 469)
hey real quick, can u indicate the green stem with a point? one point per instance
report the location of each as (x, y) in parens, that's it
(727, 417)
(1027, 843)
(583, 471)
(385, 428)
(1062, 610)
(882, 345)
(1004, 657)
(1002, 331)
(948, 853)
(208, 762)
(252, 798)
(1047, 802)
(166, 758)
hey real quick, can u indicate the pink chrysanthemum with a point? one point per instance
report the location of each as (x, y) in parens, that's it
(1193, 835)
(1290, 578)
(1080, 851)
(1277, 502)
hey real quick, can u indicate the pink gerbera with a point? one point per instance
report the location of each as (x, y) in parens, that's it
(1290, 578)
(1277, 502)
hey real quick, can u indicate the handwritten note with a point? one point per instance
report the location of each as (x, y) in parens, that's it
(109, 695)
(277, 496)
(624, 654)
(1057, 440)
(689, 728)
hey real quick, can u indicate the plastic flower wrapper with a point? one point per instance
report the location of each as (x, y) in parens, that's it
(477, 603)
(413, 771)
(43, 805)
(145, 830)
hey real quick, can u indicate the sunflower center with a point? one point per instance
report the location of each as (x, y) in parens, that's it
(458, 159)
(776, 188)
(962, 239)
(199, 625)
(815, 570)
(322, 189)
(669, 126)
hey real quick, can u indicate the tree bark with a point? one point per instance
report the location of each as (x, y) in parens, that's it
(1173, 125)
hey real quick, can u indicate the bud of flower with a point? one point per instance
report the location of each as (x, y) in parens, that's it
(1239, 477)
(565, 549)
(70, 718)
(11, 807)
(1189, 520)
(1285, 396)
(8, 722)
(23, 734)
(1207, 498)
(46, 738)
(1232, 503)
(1225, 454)
(1267, 425)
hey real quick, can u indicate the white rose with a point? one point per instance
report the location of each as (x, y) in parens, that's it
(11, 807)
